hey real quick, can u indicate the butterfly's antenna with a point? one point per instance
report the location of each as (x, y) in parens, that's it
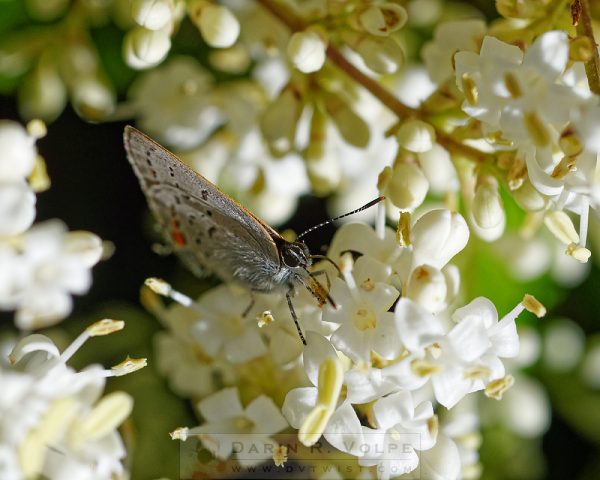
(364, 207)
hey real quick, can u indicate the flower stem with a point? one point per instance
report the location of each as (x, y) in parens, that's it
(584, 28)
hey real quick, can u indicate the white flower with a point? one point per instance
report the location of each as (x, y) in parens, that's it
(152, 14)
(449, 38)
(231, 428)
(144, 48)
(17, 208)
(54, 421)
(18, 152)
(221, 328)
(218, 26)
(362, 310)
(317, 410)
(51, 264)
(471, 351)
(175, 103)
(307, 51)
(402, 428)
(190, 371)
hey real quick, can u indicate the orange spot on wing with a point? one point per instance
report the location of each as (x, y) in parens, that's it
(177, 235)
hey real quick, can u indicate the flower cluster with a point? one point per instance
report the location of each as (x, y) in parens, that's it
(376, 364)
(42, 265)
(55, 421)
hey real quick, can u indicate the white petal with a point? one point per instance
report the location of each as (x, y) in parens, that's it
(393, 409)
(549, 54)
(298, 403)
(316, 351)
(442, 462)
(366, 386)
(221, 405)
(352, 342)
(416, 326)
(480, 307)
(344, 430)
(245, 347)
(469, 339)
(265, 415)
(498, 50)
(450, 386)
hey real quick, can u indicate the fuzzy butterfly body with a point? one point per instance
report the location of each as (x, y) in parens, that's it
(210, 231)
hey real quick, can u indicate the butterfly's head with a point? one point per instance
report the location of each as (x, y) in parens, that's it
(295, 255)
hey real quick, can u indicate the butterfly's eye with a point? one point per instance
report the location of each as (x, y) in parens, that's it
(293, 255)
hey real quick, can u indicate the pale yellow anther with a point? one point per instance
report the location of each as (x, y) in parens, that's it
(570, 143)
(367, 285)
(578, 252)
(150, 300)
(314, 425)
(265, 318)
(424, 368)
(561, 226)
(533, 305)
(107, 415)
(105, 327)
(512, 85)
(36, 128)
(496, 388)
(477, 373)
(32, 454)
(38, 179)
(537, 129)
(331, 378)
(129, 365)
(364, 319)
(158, 285)
(403, 230)
(180, 433)
(280, 455)
(469, 88)
(564, 167)
(516, 174)
(433, 425)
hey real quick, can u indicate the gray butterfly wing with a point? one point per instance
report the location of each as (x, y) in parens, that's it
(209, 230)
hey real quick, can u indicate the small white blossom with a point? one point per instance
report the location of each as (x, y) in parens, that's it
(175, 104)
(55, 422)
(229, 424)
(307, 51)
(51, 265)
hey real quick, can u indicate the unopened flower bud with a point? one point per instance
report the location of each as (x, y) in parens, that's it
(92, 99)
(382, 55)
(407, 187)
(528, 197)
(350, 125)
(143, 48)
(46, 10)
(306, 50)
(439, 170)
(581, 49)
(488, 211)
(382, 19)
(18, 151)
(43, 94)
(427, 287)
(416, 136)
(151, 14)
(439, 235)
(279, 121)
(17, 208)
(218, 26)
(523, 9)
(561, 226)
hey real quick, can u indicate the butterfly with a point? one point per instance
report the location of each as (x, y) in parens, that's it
(213, 234)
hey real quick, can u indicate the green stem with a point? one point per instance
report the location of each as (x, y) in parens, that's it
(584, 28)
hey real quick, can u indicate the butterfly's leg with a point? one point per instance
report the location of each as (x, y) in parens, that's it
(327, 259)
(293, 312)
(250, 305)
